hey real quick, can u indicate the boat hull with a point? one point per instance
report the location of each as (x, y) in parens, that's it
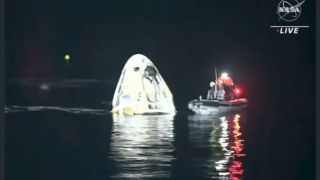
(210, 107)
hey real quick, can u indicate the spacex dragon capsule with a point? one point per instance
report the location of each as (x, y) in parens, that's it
(141, 90)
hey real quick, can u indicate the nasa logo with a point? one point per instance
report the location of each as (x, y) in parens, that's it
(288, 12)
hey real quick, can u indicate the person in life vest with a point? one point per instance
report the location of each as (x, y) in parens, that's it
(219, 85)
(226, 79)
(225, 84)
(218, 90)
(211, 91)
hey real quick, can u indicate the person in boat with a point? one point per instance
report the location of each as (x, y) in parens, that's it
(225, 80)
(229, 93)
(218, 94)
(225, 90)
(211, 92)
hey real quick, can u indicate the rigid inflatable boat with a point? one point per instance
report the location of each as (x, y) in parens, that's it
(223, 96)
(209, 107)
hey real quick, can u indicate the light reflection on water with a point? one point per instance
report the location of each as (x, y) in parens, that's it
(236, 168)
(142, 146)
(145, 147)
(223, 137)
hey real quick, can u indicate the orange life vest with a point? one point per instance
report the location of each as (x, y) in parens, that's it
(227, 81)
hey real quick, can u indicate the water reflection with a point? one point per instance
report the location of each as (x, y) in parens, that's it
(142, 146)
(236, 170)
(222, 136)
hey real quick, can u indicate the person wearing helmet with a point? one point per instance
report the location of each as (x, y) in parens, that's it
(211, 91)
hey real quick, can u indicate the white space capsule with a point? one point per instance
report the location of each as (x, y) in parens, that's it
(142, 90)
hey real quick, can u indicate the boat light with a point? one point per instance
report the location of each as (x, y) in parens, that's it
(224, 75)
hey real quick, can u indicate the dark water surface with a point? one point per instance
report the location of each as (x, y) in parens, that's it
(68, 133)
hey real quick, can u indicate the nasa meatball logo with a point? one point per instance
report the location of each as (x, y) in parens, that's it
(289, 10)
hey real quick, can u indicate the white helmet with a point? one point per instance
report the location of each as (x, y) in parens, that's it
(212, 84)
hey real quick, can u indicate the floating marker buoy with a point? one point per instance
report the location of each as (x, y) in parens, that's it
(44, 87)
(67, 57)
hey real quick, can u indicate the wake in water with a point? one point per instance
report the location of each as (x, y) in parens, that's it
(50, 84)
(61, 83)
(15, 109)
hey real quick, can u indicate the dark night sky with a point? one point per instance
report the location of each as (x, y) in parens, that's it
(185, 40)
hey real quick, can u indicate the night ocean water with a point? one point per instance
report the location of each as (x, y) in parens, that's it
(63, 130)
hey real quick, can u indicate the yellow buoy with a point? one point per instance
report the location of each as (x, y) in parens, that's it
(67, 57)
